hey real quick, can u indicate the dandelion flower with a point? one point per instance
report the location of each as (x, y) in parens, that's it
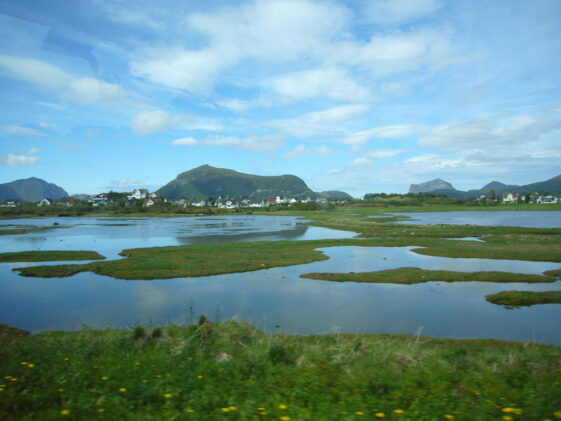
(263, 413)
(507, 418)
(30, 365)
(65, 412)
(449, 417)
(260, 409)
(158, 376)
(359, 413)
(190, 411)
(144, 381)
(282, 406)
(380, 414)
(105, 378)
(232, 408)
(23, 363)
(137, 363)
(398, 411)
(284, 418)
(101, 410)
(122, 389)
(168, 395)
(225, 409)
(508, 410)
(199, 377)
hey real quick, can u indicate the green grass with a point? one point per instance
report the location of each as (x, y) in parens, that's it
(524, 298)
(49, 255)
(410, 276)
(230, 370)
(216, 259)
(25, 229)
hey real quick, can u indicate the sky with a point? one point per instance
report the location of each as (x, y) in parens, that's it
(360, 96)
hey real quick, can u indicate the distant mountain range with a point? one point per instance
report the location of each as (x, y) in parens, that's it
(438, 186)
(31, 190)
(206, 181)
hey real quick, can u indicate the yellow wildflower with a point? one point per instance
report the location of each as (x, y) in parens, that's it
(398, 411)
(380, 414)
(282, 406)
(122, 389)
(190, 411)
(65, 412)
(232, 408)
(60, 389)
(30, 365)
(263, 413)
(144, 381)
(225, 409)
(359, 413)
(1, 389)
(449, 417)
(101, 410)
(507, 418)
(284, 418)
(23, 363)
(104, 378)
(137, 363)
(168, 395)
(508, 409)
(199, 377)
(158, 376)
(260, 409)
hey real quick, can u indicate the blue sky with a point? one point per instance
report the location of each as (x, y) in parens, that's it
(360, 96)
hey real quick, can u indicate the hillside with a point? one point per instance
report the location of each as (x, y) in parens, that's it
(31, 190)
(431, 186)
(553, 185)
(206, 181)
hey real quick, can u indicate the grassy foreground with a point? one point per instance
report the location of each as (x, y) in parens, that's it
(410, 276)
(232, 371)
(49, 255)
(524, 298)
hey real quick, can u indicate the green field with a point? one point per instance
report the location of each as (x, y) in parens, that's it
(232, 371)
(524, 298)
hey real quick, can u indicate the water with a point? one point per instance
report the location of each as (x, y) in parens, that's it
(274, 299)
(536, 219)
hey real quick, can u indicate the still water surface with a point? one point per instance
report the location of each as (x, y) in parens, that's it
(536, 219)
(274, 299)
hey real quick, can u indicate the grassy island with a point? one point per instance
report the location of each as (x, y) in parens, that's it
(49, 255)
(524, 298)
(232, 371)
(410, 276)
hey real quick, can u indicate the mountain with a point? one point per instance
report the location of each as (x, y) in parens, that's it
(7, 193)
(31, 190)
(335, 194)
(206, 181)
(431, 186)
(498, 186)
(553, 185)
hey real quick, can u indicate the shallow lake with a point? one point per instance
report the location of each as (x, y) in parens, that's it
(536, 219)
(274, 299)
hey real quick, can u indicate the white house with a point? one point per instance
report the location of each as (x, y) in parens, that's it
(510, 197)
(44, 202)
(138, 194)
(543, 200)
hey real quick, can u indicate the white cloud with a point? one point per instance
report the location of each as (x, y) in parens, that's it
(148, 122)
(19, 160)
(22, 131)
(187, 141)
(332, 83)
(275, 31)
(89, 90)
(486, 133)
(381, 132)
(361, 161)
(35, 71)
(398, 11)
(384, 153)
(266, 143)
(32, 151)
(320, 122)
(302, 150)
